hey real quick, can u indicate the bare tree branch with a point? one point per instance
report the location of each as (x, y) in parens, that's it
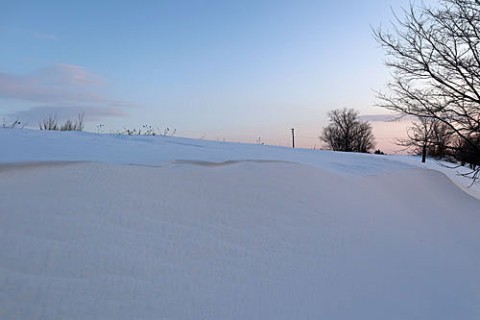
(434, 55)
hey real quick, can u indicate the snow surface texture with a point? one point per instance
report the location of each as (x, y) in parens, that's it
(170, 228)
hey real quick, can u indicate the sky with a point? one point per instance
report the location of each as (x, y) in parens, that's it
(245, 71)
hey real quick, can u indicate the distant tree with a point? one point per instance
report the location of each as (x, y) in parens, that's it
(441, 140)
(346, 132)
(465, 153)
(428, 137)
(433, 53)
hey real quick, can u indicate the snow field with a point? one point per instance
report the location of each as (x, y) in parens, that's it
(183, 229)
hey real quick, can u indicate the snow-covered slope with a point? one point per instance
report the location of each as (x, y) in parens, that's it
(28, 146)
(115, 227)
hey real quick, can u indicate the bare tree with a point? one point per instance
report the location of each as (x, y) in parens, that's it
(434, 55)
(347, 133)
(428, 136)
(441, 141)
(465, 153)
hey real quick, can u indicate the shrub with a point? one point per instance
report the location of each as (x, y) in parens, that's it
(51, 123)
(148, 130)
(11, 125)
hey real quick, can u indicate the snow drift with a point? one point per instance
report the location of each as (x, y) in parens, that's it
(114, 227)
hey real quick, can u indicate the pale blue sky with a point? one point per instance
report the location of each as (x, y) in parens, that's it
(233, 70)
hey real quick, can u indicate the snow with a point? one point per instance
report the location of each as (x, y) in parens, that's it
(122, 227)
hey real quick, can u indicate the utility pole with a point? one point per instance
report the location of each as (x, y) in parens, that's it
(293, 138)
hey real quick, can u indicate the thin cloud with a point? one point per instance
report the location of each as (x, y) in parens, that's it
(381, 117)
(64, 74)
(62, 83)
(63, 90)
(36, 114)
